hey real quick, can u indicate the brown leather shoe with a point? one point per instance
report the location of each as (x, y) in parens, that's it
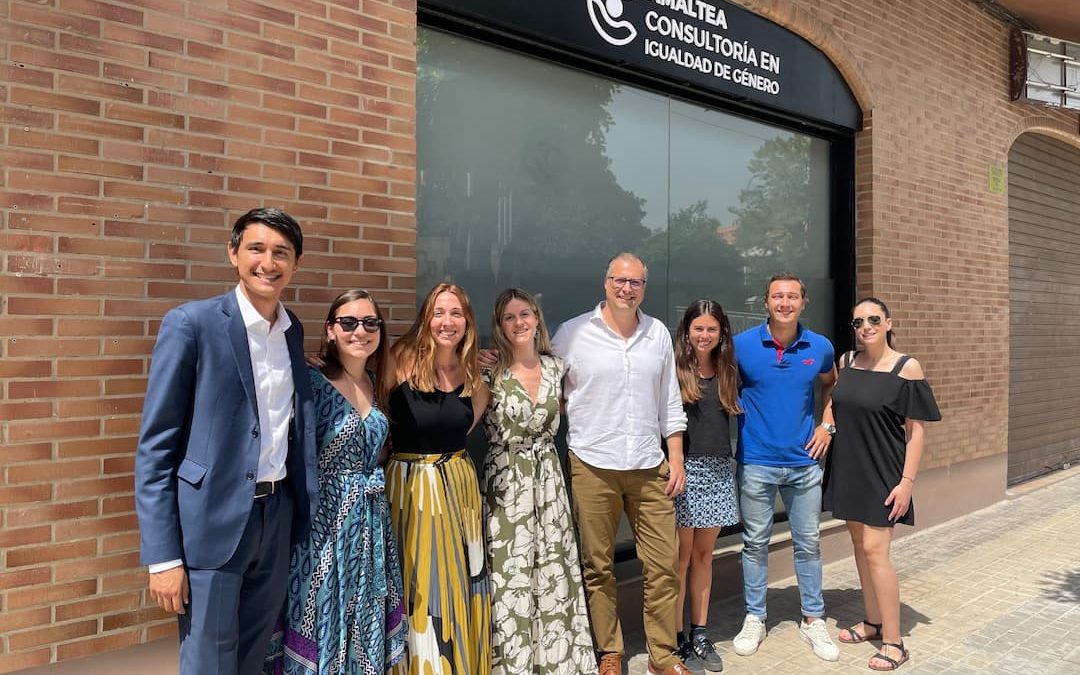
(677, 668)
(611, 664)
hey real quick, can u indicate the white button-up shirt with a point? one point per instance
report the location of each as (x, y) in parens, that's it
(622, 395)
(272, 369)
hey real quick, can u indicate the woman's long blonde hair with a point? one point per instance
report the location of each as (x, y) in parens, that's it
(414, 352)
(502, 345)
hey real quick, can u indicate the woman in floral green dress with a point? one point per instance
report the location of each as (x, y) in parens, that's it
(539, 620)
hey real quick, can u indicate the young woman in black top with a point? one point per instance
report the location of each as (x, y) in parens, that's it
(880, 402)
(709, 384)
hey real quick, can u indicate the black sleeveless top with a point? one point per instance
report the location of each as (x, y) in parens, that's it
(434, 422)
(707, 431)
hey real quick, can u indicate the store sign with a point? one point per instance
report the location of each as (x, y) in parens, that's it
(691, 34)
(714, 45)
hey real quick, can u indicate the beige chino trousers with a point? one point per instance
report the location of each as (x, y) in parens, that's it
(600, 497)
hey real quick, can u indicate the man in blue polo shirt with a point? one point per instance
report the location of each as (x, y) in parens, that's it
(779, 448)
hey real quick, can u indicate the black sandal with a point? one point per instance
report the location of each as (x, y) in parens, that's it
(893, 663)
(859, 637)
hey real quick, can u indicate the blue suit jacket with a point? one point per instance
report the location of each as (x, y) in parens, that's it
(198, 454)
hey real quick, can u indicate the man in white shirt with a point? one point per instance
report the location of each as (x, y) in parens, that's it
(622, 397)
(225, 468)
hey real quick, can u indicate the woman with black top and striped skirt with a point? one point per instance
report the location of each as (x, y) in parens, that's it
(437, 397)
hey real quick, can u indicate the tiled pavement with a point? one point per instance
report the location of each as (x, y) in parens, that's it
(996, 591)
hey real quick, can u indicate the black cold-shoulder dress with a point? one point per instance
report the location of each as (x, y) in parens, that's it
(867, 455)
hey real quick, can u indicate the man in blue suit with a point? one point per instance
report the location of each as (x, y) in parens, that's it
(225, 469)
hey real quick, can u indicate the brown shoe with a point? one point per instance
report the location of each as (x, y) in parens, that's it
(611, 664)
(677, 668)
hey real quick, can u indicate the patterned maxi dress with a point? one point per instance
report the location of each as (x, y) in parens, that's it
(344, 613)
(540, 624)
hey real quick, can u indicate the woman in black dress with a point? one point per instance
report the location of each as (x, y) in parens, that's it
(879, 404)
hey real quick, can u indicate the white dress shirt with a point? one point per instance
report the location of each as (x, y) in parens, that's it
(272, 370)
(622, 395)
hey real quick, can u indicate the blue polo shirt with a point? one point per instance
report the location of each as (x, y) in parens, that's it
(776, 393)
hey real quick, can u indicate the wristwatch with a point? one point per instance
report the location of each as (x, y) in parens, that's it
(831, 428)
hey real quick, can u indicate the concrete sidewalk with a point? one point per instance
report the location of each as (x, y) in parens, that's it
(996, 591)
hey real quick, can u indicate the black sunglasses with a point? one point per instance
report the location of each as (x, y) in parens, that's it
(873, 320)
(371, 324)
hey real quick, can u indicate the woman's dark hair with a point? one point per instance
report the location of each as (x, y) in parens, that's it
(275, 219)
(885, 311)
(377, 362)
(723, 357)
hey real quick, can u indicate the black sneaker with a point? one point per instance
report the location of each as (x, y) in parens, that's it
(690, 658)
(705, 652)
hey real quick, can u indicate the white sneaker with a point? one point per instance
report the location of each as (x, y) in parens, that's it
(818, 636)
(752, 634)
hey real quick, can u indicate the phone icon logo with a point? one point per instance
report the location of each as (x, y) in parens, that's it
(606, 19)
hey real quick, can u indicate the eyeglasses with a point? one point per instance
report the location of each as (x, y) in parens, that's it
(619, 282)
(873, 320)
(371, 324)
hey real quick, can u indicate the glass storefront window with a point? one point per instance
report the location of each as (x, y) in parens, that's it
(533, 175)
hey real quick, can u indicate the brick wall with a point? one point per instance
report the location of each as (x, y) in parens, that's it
(131, 136)
(932, 238)
(134, 132)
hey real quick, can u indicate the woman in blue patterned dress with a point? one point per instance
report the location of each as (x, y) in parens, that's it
(709, 384)
(344, 614)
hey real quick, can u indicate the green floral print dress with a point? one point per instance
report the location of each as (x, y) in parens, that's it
(539, 620)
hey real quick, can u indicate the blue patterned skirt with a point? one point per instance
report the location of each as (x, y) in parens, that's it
(710, 499)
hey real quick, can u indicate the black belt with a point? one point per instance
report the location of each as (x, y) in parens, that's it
(265, 488)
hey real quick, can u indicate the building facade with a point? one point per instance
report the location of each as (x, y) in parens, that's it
(870, 149)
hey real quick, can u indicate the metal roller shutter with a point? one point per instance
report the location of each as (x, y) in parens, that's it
(1044, 306)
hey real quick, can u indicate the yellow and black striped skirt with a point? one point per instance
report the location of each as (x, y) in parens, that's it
(435, 510)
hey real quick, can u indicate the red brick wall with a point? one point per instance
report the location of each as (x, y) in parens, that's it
(131, 135)
(134, 132)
